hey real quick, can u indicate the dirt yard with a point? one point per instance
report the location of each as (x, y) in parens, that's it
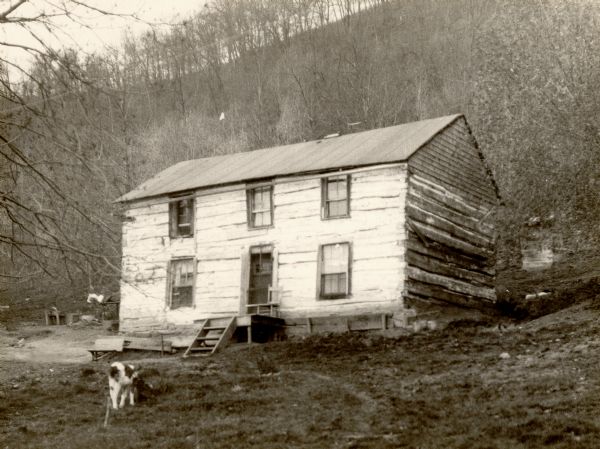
(469, 386)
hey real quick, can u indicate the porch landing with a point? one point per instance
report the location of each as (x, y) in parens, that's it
(261, 328)
(215, 333)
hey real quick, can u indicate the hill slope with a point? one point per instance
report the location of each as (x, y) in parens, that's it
(446, 389)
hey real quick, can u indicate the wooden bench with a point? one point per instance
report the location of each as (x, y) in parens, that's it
(107, 345)
(104, 346)
(148, 344)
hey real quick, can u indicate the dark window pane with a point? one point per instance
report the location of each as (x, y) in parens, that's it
(184, 229)
(183, 272)
(184, 216)
(181, 297)
(261, 276)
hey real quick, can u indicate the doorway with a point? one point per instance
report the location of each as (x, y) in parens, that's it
(261, 274)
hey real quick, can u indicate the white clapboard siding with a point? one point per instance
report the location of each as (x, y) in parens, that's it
(147, 211)
(375, 230)
(142, 221)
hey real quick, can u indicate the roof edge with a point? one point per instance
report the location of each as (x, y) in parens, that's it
(452, 118)
(441, 130)
(487, 168)
(306, 173)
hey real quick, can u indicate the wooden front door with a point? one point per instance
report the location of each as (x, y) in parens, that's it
(261, 274)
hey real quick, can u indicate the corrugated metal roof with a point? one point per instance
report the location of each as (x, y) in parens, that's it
(384, 145)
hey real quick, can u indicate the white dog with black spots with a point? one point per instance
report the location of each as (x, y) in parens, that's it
(122, 381)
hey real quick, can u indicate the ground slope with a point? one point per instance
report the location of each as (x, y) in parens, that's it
(443, 389)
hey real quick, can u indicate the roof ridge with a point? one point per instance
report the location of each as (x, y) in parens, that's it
(378, 145)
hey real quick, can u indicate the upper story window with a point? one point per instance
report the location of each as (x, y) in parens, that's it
(335, 197)
(181, 218)
(334, 270)
(181, 279)
(260, 206)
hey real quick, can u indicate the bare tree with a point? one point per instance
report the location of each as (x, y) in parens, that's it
(42, 149)
(538, 87)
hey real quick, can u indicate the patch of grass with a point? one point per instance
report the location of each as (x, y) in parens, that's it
(447, 388)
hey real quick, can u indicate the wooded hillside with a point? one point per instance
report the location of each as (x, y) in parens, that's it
(82, 130)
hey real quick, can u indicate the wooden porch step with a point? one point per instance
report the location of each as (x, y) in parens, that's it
(218, 338)
(202, 349)
(208, 338)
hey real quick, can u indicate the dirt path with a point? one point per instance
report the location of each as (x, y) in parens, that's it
(49, 344)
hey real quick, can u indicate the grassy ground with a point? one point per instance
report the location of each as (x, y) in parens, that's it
(442, 389)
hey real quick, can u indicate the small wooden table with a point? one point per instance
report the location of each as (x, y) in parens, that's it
(104, 346)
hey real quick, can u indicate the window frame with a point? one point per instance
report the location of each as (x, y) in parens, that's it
(320, 274)
(174, 214)
(325, 215)
(170, 281)
(251, 214)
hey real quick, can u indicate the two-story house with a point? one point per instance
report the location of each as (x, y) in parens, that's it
(353, 224)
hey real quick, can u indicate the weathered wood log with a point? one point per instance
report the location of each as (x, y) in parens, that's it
(458, 218)
(447, 269)
(426, 166)
(461, 149)
(419, 302)
(458, 157)
(445, 255)
(444, 238)
(426, 217)
(461, 204)
(441, 294)
(455, 153)
(450, 284)
(436, 161)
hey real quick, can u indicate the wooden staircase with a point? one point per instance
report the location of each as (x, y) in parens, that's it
(214, 334)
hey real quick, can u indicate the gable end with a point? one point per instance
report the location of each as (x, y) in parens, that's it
(451, 237)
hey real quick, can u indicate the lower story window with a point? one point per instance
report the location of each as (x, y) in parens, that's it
(334, 271)
(182, 283)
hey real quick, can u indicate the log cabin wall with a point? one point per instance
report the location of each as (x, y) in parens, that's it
(451, 241)
(375, 229)
(147, 249)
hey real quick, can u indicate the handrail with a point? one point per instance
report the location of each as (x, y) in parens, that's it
(272, 308)
(271, 304)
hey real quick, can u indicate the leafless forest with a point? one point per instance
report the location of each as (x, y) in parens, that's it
(78, 130)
